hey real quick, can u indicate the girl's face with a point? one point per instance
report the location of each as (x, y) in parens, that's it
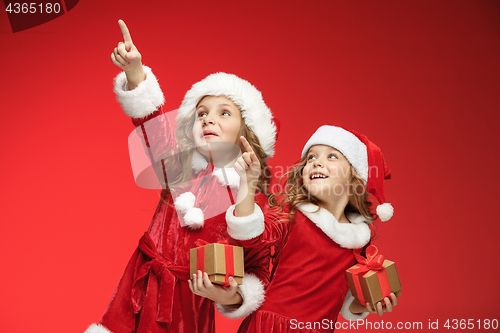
(218, 120)
(327, 173)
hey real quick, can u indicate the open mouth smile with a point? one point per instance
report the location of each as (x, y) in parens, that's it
(317, 175)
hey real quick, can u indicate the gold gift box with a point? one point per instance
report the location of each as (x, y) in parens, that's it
(215, 262)
(370, 285)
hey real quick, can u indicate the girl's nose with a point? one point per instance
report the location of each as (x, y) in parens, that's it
(317, 163)
(207, 120)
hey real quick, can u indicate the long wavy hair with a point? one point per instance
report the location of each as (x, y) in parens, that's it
(186, 148)
(295, 193)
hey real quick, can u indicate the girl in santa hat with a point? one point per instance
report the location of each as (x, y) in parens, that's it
(153, 294)
(323, 215)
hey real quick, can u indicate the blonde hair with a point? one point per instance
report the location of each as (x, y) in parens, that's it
(186, 148)
(295, 193)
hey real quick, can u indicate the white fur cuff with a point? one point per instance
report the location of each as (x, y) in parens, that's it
(252, 291)
(346, 313)
(245, 227)
(97, 328)
(142, 101)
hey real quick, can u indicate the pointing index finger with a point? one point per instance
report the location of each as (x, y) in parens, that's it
(125, 32)
(246, 145)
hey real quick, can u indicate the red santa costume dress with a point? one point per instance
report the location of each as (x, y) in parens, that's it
(309, 287)
(153, 294)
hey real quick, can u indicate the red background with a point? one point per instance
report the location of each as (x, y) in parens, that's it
(420, 78)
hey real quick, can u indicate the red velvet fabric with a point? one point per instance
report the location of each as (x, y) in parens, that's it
(265, 321)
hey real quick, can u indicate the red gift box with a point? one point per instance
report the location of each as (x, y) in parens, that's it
(373, 278)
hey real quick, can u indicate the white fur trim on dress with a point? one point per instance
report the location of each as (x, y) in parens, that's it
(352, 235)
(385, 211)
(227, 176)
(245, 227)
(142, 101)
(346, 313)
(198, 162)
(254, 111)
(252, 291)
(97, 328)
(344, 141)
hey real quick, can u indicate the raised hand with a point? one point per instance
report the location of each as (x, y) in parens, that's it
(127, 57)
(247, 165)
(248, 168)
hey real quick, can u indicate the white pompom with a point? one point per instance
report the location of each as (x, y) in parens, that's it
(185, 201)
(385, 211)
(194, 218)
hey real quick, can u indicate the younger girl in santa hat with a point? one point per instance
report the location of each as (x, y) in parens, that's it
(322, 218)
(153, 294)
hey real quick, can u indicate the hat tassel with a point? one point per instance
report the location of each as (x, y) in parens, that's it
(385, 211)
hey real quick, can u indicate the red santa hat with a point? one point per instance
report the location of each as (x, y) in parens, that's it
(256, 114)
(365, 157)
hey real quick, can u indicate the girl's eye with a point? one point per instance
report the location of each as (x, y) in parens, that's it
(310, 157)
(202, 114)
(226, 113)
(333, 156)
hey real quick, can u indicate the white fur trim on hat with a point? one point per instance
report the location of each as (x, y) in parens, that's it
(142, 101)
(385, 211)
(252, 292)
(344, 141)
(245, 227)
(254, 111)
(346, 313)
(352, 235)
(97, 328)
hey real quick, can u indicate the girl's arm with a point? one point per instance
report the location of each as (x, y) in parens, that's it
(246, 222)
(127, 57)
(136, 87)
(239, 301)
(248, 168)
(141, 98)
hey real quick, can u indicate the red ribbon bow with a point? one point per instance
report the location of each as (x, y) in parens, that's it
(166, 273)
(201, 242)
(372, 262)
